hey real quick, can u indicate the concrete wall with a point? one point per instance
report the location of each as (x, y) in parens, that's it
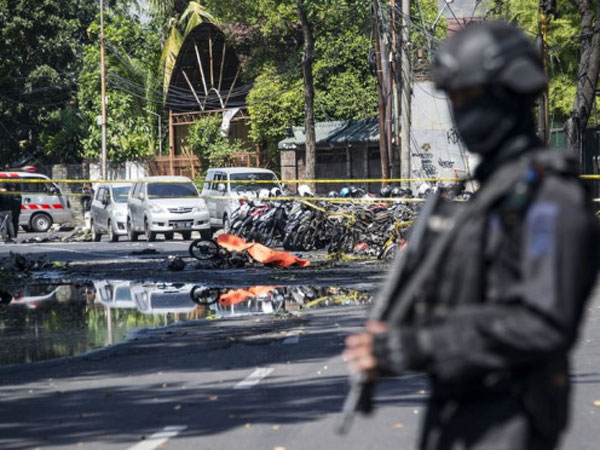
(436, 151)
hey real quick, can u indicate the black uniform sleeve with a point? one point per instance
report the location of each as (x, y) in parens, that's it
(537, 316)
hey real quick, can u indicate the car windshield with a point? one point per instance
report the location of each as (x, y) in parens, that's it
(250, 183)
(168, 189)
(120, 193)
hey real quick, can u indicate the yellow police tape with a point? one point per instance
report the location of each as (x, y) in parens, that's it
(201, 181)
(291, 181)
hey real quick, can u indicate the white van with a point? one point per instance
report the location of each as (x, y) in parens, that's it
(166, 205)
(42, 202)
(224, 187)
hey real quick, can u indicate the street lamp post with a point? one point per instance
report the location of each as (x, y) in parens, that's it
(102, 93)
(159, 131)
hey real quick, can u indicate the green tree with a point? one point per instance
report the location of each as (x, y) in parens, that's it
(210, 145)
(40, 58)
(133, 87)
(573, 54)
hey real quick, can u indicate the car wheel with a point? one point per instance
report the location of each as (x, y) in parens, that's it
(132, 235)
(112, 237)
(169, 236)
(41, 222)
(96, 236)
(186, 235)
(150, 235)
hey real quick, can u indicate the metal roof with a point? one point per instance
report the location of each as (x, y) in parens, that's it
(334, 134)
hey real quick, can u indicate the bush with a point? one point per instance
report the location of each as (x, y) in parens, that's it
(209, 144)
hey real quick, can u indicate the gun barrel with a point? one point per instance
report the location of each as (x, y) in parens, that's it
(359, 398)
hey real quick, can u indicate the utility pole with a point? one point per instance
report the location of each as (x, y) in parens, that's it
(543, 110)
(396, 92)
(159, 131)
(405, 168)
(384, 89)
(103, 92)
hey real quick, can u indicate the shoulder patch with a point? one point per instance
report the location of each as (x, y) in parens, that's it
(541, 229)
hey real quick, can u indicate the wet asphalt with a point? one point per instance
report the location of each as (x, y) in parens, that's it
(262, 381)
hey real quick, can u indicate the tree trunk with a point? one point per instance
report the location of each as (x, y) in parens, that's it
(309, 96)
(587, 76)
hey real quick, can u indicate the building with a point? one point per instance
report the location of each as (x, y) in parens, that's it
(349, 150)
(205, 79)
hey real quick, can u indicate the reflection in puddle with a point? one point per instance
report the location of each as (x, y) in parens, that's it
(45, 321)
(223, 302)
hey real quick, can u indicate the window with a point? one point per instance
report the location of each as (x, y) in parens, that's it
(162, 190)
(120, 193)
(136, 189)
(251, 181)
(207, 181)
(37, 185)
(216, 180)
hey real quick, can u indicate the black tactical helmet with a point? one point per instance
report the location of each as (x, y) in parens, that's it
(396, 192)
(385, 191)
(333, 194)
(354, 192)
(487, 53)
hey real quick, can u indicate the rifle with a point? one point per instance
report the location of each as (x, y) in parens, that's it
(360, 394)
(401, 287)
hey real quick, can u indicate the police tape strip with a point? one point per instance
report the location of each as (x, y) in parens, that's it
(266, 199)
(350, 181)
(202, 181)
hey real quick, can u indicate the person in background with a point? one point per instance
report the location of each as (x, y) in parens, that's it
(86, 204)
(14, 204)
(503, 279)
(7, 230)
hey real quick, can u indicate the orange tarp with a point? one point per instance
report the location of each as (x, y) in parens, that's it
(235, 296)
(259, 252)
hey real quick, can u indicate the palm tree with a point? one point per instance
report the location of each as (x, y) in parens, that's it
(178, 26)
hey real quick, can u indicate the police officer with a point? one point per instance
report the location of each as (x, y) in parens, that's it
(494, 335)
(14, 202)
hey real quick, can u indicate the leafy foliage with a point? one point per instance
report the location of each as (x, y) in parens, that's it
(563, 48)
(39, 62)
(179, 28)
(132, 55)
(212, 148)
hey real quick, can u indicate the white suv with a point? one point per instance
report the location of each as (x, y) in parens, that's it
(225, 187)
(166, 205)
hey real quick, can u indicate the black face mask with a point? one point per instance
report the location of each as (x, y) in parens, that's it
(485, 122)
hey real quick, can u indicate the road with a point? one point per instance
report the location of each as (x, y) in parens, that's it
(254, 382)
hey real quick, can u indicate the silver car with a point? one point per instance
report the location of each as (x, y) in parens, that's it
(109, 211)
(166, 205)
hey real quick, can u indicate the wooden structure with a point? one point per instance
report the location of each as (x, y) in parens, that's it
(206, 79)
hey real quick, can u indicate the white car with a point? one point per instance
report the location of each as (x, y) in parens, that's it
(166, 205)
(109, 211)
(42, 202)
(225, 188)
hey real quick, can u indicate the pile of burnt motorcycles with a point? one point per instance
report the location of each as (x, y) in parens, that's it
(350, 221)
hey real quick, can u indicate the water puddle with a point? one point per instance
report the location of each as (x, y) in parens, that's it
(51, 320)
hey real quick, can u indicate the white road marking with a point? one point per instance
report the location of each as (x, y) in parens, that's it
(254, 378)
(291, 340)
(159, 438)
